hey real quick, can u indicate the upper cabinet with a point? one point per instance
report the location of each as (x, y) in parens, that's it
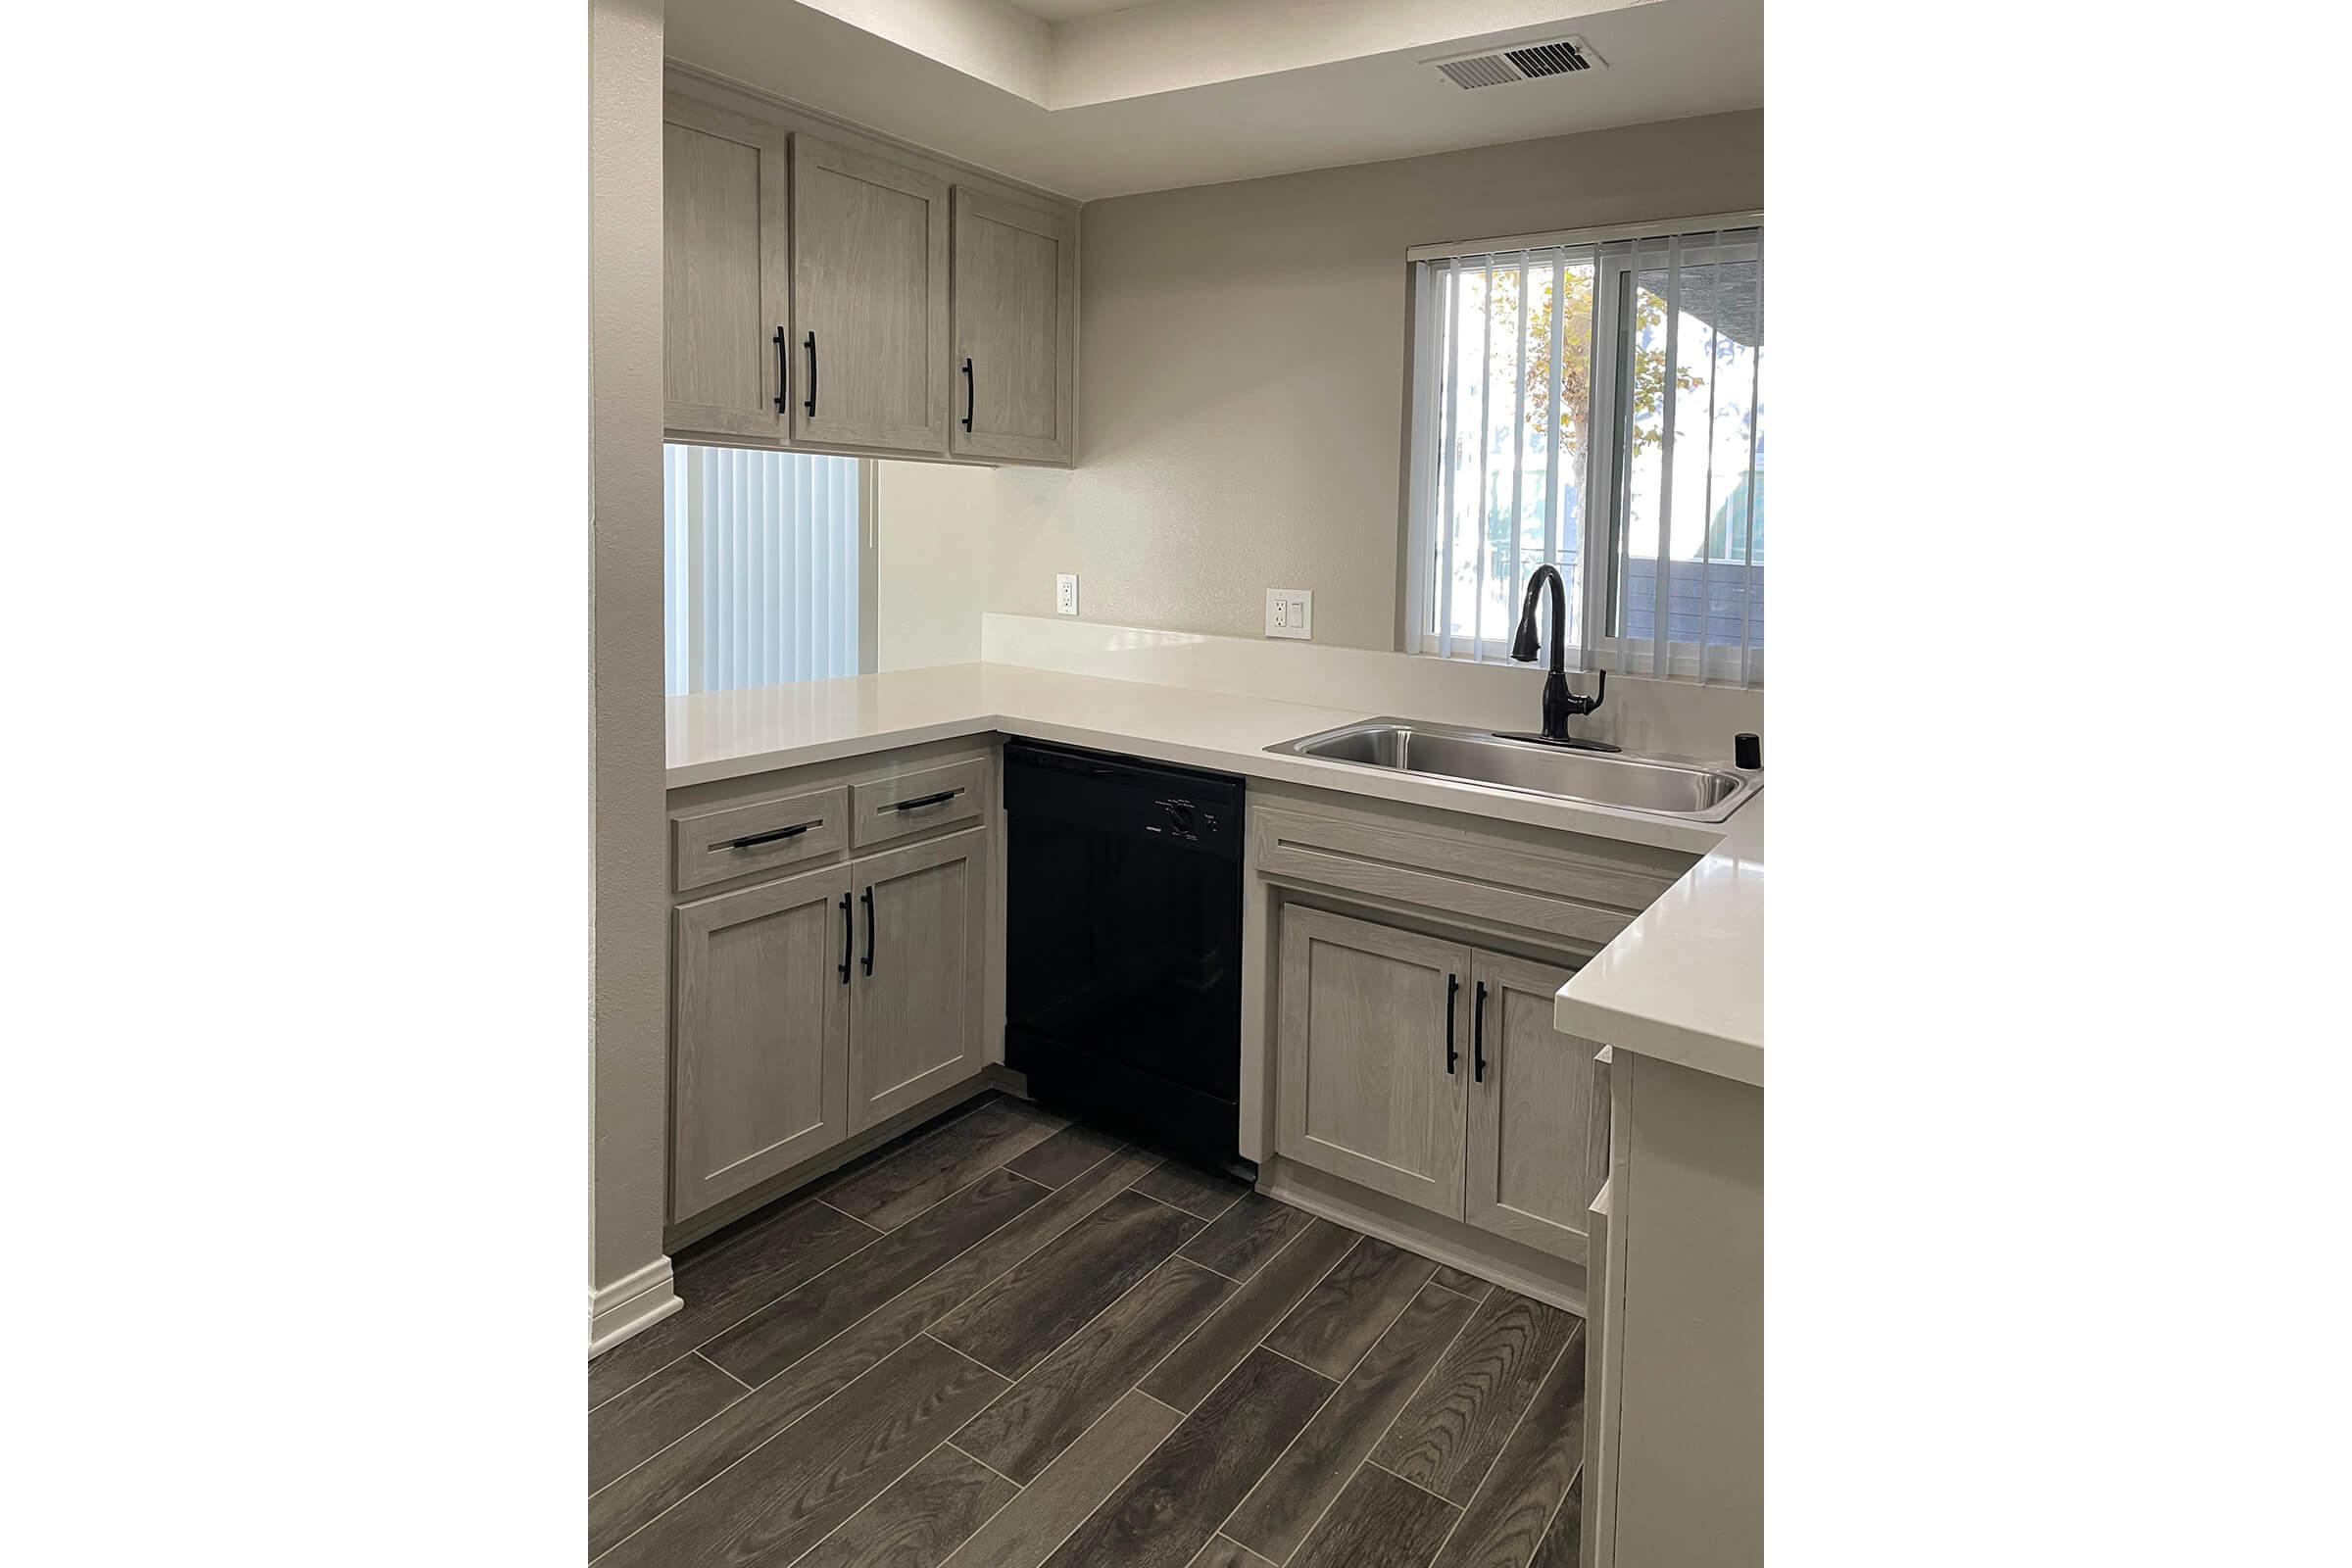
(724, 281)
(822, 291)
(869, 301)
(1016, 322)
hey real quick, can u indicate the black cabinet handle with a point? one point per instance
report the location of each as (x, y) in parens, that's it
(1478, 1036)
(810, 405)
(921, 801)
(967, 394)
(845, 939)
(782, 370)
(870, 930)
(751, 839)
(1453, 985)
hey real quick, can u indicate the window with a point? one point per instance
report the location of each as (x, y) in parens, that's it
(767, 567)
(1594, 401)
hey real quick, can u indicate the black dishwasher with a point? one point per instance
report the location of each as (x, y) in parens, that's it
(1123, 944)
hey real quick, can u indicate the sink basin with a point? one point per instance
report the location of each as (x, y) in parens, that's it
(1623, 779)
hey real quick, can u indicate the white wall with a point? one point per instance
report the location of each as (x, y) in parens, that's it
(1241, 386)
(931, 551)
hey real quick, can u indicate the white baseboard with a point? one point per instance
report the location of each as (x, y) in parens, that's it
(630, 1304)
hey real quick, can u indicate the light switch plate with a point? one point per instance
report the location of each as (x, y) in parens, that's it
(1065, 594)
(1290, 612)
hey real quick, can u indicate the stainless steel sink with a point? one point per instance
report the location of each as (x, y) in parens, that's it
(1661, 785)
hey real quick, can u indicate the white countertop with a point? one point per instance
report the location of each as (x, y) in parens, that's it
(1684, 982)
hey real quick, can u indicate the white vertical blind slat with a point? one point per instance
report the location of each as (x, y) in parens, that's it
(1552, 466)
(1486, 445)
(1518, 432)
(1659, 639)
(1707, 512)
(1448, 357)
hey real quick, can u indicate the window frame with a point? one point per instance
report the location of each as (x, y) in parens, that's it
(1618, 253)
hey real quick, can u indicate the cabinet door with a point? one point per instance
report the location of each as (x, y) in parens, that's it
(725, 287)
(869, 301)
(1535, 1120)
(1016, 322)
(760, 1048)
(916, 1000)
(1363, 1083)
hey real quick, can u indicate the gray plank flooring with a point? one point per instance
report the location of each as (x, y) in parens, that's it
(1013, 1342)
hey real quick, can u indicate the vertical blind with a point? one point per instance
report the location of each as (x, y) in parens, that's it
(761, 554)
(1594, 401)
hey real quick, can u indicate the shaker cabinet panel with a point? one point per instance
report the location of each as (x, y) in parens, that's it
(917, 997)
(1534, 1119)
(760, 1044)
(1372, 1055)
(724, 290)
(1015, 314)
(869, 301)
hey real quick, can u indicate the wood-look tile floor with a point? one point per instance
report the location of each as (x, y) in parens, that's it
(1012, 1342)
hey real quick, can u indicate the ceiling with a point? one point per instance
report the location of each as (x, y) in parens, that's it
(1168, 93)
(1064, 10)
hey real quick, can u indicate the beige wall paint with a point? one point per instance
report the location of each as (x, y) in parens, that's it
(932, 527)
(1241, 383)
(630, 1049)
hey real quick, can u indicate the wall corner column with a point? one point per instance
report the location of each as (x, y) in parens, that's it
(629, 1274)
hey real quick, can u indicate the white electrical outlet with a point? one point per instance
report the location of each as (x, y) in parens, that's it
(1290, 613)
(1065, 594)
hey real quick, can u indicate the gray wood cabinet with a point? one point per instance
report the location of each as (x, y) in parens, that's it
(1430, 1070)
(853, 979)
(1367, 1085)
(1016, 322)
(724, 284)
(760, 1044)
(869, 301)
(917, 997)
(1536, 1120)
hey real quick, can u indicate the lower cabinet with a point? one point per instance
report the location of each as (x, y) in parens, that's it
(1372, 1069)
(760, 1047)
(1538, 1121)
(1428, 1070)
(810, 1007)
(914, 1007)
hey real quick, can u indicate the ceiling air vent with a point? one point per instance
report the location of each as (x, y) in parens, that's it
(1493, 68)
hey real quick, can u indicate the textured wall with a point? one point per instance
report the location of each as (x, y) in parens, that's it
(1241, 385)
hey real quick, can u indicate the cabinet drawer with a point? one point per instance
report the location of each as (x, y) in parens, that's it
(1586, 889)
(886, 809)
(733, 840)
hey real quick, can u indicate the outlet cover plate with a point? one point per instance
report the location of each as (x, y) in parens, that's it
(1065, 594)
(1290, 612)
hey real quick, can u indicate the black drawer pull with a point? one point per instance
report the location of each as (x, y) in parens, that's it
(921, 801)
(751, 839)
(781, 375)
(1453, 986)
(870, 930)
(845, 939)
(810, 405)
(1478, 1036)
(967, 395)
